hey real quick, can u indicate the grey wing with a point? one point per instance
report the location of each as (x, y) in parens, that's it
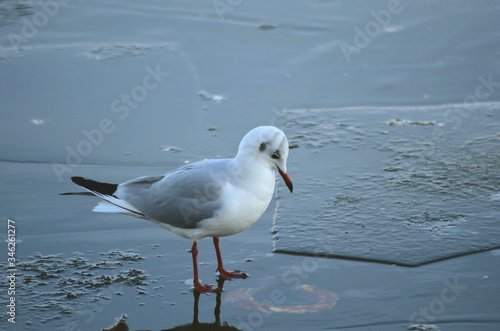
(181, 198)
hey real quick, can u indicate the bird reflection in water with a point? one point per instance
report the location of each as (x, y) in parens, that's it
(242, 298)
(195, 325)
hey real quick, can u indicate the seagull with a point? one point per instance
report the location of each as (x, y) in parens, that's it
(211, 198)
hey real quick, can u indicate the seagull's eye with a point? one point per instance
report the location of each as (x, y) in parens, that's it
(276, 155)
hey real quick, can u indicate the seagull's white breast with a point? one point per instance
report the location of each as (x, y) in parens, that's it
(244, 204)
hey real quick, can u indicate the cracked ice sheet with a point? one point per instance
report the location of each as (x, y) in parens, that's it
(409, 194)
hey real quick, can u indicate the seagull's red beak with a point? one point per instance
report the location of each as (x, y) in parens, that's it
(287, 179)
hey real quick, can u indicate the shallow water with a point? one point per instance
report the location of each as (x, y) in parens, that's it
(121, 89)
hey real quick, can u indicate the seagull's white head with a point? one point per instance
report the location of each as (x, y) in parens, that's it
(269, 145)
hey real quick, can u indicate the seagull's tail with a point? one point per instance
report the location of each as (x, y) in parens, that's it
(110, 203)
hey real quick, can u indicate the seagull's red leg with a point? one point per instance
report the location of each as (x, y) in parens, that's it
(196, 282)
(220, 267)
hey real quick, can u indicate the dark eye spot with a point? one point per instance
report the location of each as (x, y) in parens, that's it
(262, 147)
(276, 155)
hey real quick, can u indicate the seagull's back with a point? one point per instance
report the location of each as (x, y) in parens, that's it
(181, 198)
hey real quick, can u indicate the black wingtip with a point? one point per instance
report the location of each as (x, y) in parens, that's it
(78, 193)
(78, 180)
(104, 188)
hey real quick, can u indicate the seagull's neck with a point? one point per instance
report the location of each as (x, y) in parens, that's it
(254, 176)
(249, 168)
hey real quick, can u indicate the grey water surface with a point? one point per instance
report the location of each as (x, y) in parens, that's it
(392, 112)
